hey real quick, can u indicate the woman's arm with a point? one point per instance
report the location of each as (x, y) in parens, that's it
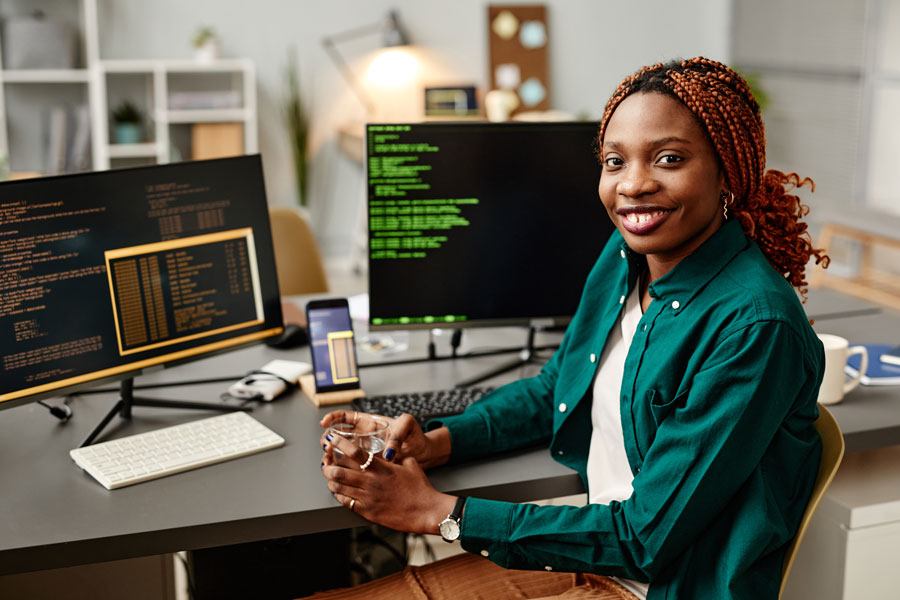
(725, 463)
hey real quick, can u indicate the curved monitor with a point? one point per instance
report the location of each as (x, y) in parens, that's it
(107, 274)
(481, 223)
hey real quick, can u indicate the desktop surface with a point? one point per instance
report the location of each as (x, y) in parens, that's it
(62, 517)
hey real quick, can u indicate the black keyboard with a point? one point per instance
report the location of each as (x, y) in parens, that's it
(422, 405)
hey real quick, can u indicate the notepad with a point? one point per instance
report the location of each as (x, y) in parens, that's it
(877, 372)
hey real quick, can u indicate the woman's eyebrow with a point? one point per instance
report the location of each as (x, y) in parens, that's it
(614, 145)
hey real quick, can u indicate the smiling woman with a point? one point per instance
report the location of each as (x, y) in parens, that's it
(683, 393)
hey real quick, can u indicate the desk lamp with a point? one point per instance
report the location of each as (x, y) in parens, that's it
(388, 68)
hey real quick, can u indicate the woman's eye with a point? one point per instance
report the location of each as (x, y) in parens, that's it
(669, 159)
(613, 161)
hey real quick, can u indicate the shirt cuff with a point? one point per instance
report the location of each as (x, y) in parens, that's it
(485, 529)
(468, 435)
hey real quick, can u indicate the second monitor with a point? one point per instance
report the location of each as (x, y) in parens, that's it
(481, 224)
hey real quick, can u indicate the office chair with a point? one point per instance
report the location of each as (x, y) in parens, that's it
(297, 257)
(832, 453)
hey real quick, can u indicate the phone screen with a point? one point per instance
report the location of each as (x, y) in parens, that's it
(331, 345)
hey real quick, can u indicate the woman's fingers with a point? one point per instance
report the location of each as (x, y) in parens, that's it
(339, 416)
(347, 448)
(402, 427)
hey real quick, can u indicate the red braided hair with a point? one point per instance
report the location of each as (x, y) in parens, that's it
(724, 106)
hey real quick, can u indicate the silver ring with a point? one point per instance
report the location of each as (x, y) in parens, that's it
(368, 462)
(352, 504)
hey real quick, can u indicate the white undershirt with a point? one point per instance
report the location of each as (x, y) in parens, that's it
(608, 471)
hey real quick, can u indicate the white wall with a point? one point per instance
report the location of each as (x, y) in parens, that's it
(593, 44)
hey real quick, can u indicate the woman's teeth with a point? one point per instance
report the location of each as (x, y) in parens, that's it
(644, 217)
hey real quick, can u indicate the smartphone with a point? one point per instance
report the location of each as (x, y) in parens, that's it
(331, 345)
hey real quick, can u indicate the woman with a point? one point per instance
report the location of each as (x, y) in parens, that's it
(683, 393)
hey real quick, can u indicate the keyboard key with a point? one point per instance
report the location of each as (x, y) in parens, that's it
(422, 405)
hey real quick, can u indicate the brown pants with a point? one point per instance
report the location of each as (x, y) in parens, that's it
(470, 577)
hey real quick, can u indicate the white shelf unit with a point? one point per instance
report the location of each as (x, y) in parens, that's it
(154, 81)
(28, 95)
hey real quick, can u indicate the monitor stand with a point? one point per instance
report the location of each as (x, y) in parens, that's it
(127, 400)
(526, 357)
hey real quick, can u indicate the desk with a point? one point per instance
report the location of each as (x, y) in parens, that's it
(62, 517)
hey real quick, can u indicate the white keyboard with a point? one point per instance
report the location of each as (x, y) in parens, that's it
(155, 454)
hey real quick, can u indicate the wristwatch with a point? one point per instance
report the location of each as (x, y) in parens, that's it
(450, 526)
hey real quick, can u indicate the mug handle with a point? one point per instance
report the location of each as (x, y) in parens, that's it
(863, 365)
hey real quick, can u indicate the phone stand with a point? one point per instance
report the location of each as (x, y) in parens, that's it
(308, 385)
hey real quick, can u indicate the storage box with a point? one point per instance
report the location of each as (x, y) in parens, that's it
(34, 43)
(852, 547)
(216, 140)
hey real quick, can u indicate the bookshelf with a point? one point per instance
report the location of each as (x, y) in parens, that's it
(58, 120)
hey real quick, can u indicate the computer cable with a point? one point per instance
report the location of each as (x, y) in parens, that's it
(63, 413)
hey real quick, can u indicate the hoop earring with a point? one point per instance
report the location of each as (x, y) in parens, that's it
(727, 198)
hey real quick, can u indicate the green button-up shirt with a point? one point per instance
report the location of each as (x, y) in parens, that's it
(718, 400)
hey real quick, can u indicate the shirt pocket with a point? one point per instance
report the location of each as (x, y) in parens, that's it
(662, 406)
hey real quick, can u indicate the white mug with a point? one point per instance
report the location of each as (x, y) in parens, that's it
(834, 382)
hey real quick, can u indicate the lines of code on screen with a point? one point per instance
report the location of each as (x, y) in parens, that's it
(480, 223)
(107, 273)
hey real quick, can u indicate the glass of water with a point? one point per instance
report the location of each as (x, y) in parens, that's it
(369, 433)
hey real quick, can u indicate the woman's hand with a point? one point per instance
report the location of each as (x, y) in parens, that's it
(396, 495)
(406, 438)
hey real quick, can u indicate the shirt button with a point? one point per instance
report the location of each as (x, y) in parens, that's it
(622, 252)
(562, 407)
(548, 568)
(593, 357)
(644, 328)
(485, 553)
(560, 452)
(637, 469)
(676, 304)
(622, 300)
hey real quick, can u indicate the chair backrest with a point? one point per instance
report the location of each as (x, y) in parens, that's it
(297, 257)
(832, 453)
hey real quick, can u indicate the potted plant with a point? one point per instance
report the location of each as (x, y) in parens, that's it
(206, 44)
(297, 128)
(127, 119)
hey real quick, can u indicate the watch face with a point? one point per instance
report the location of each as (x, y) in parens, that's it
(449, 529)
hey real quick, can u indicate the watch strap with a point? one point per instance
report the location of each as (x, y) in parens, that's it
(458, 508)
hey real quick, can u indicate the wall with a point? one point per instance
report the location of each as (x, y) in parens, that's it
(593, 44)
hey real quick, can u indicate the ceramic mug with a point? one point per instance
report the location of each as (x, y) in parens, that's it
(834, 382)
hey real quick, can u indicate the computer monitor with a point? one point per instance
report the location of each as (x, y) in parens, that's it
(481, 224)
(107, 274)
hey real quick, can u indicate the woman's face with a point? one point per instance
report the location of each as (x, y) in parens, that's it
(661, 178)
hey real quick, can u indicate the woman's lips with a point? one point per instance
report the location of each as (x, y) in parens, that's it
(642, 221)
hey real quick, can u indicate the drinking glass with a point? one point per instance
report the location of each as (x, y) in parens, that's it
(369, 433)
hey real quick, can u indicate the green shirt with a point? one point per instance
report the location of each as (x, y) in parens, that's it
(718, 401)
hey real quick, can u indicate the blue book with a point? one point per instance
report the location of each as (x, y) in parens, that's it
(878, 372)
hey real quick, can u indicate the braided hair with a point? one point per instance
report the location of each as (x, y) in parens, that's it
(724, 106)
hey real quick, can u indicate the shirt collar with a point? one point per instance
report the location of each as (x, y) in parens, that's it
(696, 270)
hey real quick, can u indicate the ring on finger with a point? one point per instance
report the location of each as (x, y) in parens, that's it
(352, 504)
(368, 462)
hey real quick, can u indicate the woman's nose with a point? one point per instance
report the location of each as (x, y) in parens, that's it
(637, 181)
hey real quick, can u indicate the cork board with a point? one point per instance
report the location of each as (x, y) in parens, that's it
(519, 38)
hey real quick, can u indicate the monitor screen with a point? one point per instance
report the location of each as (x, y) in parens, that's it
(106, 274)
(481, 223)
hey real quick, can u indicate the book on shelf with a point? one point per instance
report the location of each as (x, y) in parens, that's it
(68, 140)
(877, 372)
